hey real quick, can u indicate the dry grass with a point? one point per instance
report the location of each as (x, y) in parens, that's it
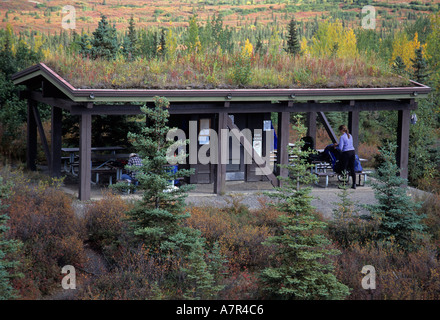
(215, 69)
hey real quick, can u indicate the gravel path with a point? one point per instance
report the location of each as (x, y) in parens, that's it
(249, 193)
(325, 199)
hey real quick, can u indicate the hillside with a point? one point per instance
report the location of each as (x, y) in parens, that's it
(46, 15)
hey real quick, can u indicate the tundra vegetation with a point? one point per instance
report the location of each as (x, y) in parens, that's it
(161, 249)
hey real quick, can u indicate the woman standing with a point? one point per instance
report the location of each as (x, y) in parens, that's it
(348, 154)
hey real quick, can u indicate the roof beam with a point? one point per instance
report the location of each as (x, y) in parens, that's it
(54, 102)
(238, 107)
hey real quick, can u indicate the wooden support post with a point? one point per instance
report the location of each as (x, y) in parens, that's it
(85, 157)
(42, 136)
(311, 125)
(31, 141)
(404, 119)
(57, 117)
(328, 127)
(193, 147)
(220, 172)
(353, 127)
(283, 143)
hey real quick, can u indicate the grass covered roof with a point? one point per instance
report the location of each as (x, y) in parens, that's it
(225, 71)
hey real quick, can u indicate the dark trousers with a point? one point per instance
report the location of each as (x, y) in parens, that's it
(348, 159)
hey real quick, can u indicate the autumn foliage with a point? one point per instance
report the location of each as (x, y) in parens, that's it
(43, 219)
(53, 235)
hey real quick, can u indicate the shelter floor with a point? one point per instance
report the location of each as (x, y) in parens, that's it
(249, 193)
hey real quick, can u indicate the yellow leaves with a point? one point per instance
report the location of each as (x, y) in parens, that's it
(247, 49)
(304, 47)
(332, 39)
(193, 41)
(45, 52)
(38, 42)
(274, 43)
(349, 48)
(405, 48)
(171, 42)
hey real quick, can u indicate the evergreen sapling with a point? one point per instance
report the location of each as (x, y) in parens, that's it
(395, 211)
(399, 66)
(293, 45)
(157, 218)
(420, 67)
(200, 278)
(300, 268)
(7, 247)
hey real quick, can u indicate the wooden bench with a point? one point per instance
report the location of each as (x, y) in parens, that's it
(332, 174)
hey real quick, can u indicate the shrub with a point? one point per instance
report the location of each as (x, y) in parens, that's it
(238, 231)
(367, 151)
(242, 245)
(347, 226)
(431, 207)
(266, 215)
(242, 284)
(137, 275)
(210, 221)
(105, 221)
(41, 216)
(415, 276)
(242, 70)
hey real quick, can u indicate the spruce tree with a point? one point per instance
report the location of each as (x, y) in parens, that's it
(395, 212)
(201, 282)
(258, 45)
(129, 45)
(399, 66)
(85, 46)
(293, 45)
(300, 269)
(7, 247)
(104, 42)
(157, 218)
(132, 31)
(420, 67)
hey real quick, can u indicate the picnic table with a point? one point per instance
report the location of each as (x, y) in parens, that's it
(325, 169)
(103, 162)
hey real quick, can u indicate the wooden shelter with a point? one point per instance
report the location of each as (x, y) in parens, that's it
(250, 107)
